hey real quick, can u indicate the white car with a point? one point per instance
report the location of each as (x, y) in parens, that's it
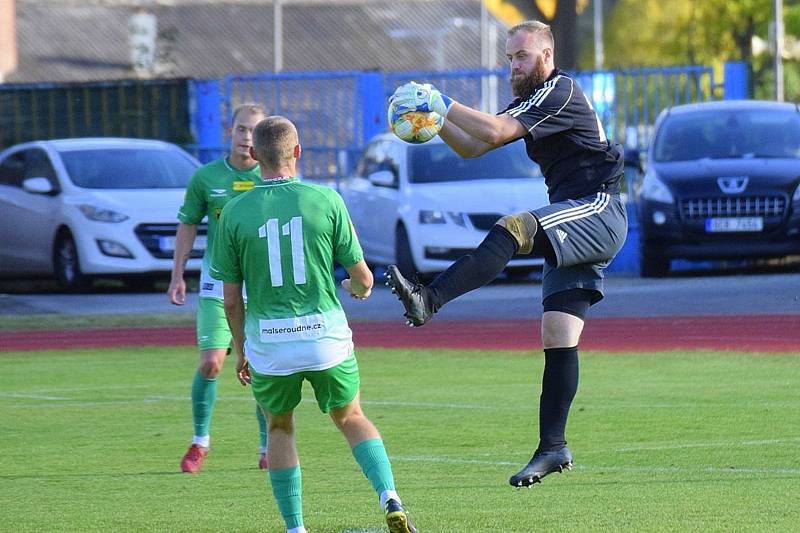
(84, 208)
(423, 206)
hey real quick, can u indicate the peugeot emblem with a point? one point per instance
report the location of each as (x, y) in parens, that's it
(733, 184)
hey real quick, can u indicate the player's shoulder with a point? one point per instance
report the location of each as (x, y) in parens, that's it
(561, 81)
(319, 189)
(210, 170)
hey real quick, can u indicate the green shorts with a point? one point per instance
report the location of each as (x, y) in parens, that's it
(212, 328)
(334, 388)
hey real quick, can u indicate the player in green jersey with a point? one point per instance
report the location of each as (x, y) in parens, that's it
(281, 241)
(210, 188)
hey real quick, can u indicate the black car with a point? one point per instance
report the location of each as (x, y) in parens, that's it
(721, 183)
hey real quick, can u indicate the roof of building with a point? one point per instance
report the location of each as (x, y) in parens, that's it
(80, 41)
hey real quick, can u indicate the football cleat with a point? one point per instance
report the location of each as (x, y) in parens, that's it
(541, 465)
(192, 461)
(414, 296)
(263, 463)
(397, 519)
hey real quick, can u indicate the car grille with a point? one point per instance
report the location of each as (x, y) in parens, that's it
(733, 206)
(150, 237)
(484, 221)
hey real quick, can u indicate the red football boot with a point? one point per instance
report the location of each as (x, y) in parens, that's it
(263, 464)
(192, 462)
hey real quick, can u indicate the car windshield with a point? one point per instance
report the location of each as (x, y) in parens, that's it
(436, 162)
(725, 134)
(128, 168)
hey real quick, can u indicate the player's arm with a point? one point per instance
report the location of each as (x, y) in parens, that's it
(234, 314)
(474, 133)
(184, 242)
(359, 284)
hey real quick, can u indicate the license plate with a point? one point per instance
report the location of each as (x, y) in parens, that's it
(167, 243)
(739, 224)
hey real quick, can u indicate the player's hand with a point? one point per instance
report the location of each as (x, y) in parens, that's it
(422, 97)
(243, 371)
(177, 291)
(362, 295)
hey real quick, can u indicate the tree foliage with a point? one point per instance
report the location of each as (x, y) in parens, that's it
(711, 32)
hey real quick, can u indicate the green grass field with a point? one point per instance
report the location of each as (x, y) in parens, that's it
(90, 440)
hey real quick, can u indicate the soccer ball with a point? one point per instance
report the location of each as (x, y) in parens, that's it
(415, 127)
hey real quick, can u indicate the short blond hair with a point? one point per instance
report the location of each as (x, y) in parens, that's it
(541, 30)
(248, 108)
(274, 139)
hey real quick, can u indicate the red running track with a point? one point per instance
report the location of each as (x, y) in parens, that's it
(757, 333)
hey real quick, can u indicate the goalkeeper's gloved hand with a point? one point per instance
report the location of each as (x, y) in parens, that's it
(422, 97)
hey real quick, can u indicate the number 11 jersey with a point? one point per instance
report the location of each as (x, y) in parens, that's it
(282, 239)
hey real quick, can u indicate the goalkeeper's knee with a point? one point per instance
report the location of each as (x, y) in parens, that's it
(523, 227)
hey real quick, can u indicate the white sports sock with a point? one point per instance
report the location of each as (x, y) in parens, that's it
(389, 495)
(262, 450)
(300, 529)
(202, 441)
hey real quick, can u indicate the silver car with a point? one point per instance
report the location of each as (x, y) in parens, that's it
(422, 206)
(78, 209)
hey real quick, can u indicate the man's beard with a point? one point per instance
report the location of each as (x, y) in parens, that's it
(522, 86)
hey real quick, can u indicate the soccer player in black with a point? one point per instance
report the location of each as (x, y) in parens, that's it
(578, 233)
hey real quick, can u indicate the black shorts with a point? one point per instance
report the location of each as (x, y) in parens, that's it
(585, 234)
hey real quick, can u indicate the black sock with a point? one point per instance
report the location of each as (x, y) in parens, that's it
(559, 385)
(475, 269)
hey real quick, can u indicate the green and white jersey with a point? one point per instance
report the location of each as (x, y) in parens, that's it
(281, 239)
(210, 188)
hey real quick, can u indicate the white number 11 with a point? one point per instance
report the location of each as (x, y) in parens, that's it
(294, 229)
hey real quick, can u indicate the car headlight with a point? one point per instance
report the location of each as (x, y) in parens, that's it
(432, 216)
(99, 214)
(654, 189)
(429, 216)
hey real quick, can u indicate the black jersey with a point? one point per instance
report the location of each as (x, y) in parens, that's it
(566, 139)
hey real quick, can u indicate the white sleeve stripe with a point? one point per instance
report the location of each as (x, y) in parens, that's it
(571, 88)
(550, 86)
(535, 99)
(530, 102)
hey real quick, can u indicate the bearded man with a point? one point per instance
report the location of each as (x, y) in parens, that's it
(578, 234)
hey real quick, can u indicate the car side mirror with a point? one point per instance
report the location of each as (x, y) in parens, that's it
(382, 178)
(38, 186)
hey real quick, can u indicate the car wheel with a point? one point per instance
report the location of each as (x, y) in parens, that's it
(66, 265)
(403, 257)
(653, 264)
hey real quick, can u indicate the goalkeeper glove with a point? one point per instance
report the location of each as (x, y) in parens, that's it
(422, 97)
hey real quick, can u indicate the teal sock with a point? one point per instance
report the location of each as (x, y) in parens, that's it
(287, 487)
(262, 428)
(371, 457)
(204, 394)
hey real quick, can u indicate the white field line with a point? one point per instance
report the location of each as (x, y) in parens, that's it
(161, 398)
(33, 396)
(599, 468)
(73, 402)
(46, 395)
(765, 442)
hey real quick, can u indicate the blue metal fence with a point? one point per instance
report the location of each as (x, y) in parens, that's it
(337, 112)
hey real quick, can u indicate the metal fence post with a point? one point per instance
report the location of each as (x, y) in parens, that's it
(206, 117)
(371, 96)
(735, 81)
